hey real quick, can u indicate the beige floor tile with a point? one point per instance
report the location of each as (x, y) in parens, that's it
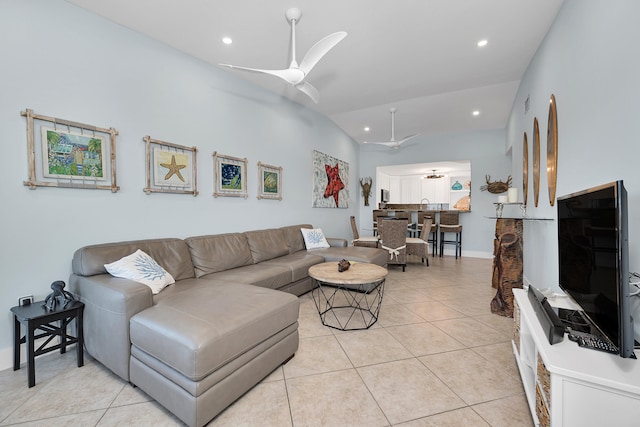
(508, 412)
(406, 390)
(276, 375)
(99, 389)
(140, 414)
(472, 377)
(309, 325)
(317, 355)
(470, 332)
(497, 322)
(408, 295)
(423, 338)
(397, 314)
(130, 395)
(463, 417)
(84, 419)
(469, 305)
(433, 310)
(372, 346)
(333, 399)
(266, 404)
(502, 355)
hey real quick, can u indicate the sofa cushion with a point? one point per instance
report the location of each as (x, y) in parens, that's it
(267, 244)
(298, 263)
(220, 252)
(172, 254)
(354, 253)
(294, 237)
(263, 275)
(199, 331)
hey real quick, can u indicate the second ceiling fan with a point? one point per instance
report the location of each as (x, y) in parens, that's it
(392, 143)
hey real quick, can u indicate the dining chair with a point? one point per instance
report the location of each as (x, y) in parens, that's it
(449, 223)
(376, 214)
(393, 238)
(367, 242)
(419, 246)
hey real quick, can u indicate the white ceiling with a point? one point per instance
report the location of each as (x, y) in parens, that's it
(419, 56)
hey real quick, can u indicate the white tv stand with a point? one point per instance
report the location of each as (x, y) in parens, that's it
(569, 386)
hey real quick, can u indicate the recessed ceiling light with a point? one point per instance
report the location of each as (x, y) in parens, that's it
(227, 40)
(482, 43)
(367, 128)
(476, 113)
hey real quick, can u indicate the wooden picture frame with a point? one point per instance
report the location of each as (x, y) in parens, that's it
(269, 181)
(72, 154)
(229, 175)
(170, 168)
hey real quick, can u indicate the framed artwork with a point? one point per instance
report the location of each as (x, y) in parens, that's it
(170, 168)
(71, 154)
(230, 176)
(269, 181)
(330, 182)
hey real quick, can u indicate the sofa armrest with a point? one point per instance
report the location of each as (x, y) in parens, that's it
(109, 305)
(337, 242)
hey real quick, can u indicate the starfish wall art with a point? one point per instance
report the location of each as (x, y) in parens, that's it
(330, 182)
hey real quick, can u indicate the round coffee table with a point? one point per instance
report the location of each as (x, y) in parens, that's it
(351, 299)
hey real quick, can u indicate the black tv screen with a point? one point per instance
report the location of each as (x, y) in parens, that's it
(593, 259)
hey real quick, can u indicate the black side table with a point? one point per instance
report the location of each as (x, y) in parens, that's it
(36, 317)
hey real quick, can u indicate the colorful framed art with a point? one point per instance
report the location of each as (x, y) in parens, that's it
(72, 154)
(230, 176)
(269, 181)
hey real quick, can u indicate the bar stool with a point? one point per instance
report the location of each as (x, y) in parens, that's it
(449, 223)
(433, 236)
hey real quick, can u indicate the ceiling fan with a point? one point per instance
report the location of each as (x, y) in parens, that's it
(295, 75)
(392, 143)
(434, 175)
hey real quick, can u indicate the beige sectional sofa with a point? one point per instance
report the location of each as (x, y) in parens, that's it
(223, 326)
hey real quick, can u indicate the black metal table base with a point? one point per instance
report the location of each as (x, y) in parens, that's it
(348, 307)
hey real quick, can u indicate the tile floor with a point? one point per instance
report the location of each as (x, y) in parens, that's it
(436, 357)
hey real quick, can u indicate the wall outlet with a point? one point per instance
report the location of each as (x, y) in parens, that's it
(25, 300)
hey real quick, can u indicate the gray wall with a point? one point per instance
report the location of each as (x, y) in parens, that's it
(485, 149)
(588, 60)
(64, 62)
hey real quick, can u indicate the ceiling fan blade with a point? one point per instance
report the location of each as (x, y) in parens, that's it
(290, 75)
(306, 88)
(406, 138)
(391, 144)
(319, 50)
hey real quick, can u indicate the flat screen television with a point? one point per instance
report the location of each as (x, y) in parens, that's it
(593, 260)
(384, 196)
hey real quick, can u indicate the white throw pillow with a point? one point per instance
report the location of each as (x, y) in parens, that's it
(314, 238)
(141, 268)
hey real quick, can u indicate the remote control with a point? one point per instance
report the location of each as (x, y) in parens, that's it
(593, 342)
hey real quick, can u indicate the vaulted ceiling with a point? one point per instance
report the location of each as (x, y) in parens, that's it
(418, 56)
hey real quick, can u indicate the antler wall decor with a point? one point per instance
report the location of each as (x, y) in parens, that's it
(365, 183)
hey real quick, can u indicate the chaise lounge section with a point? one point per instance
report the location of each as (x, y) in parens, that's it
(227, 322)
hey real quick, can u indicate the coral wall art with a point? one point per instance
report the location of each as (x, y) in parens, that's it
(330, 182)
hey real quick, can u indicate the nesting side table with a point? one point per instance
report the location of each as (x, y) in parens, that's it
(36, 318)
